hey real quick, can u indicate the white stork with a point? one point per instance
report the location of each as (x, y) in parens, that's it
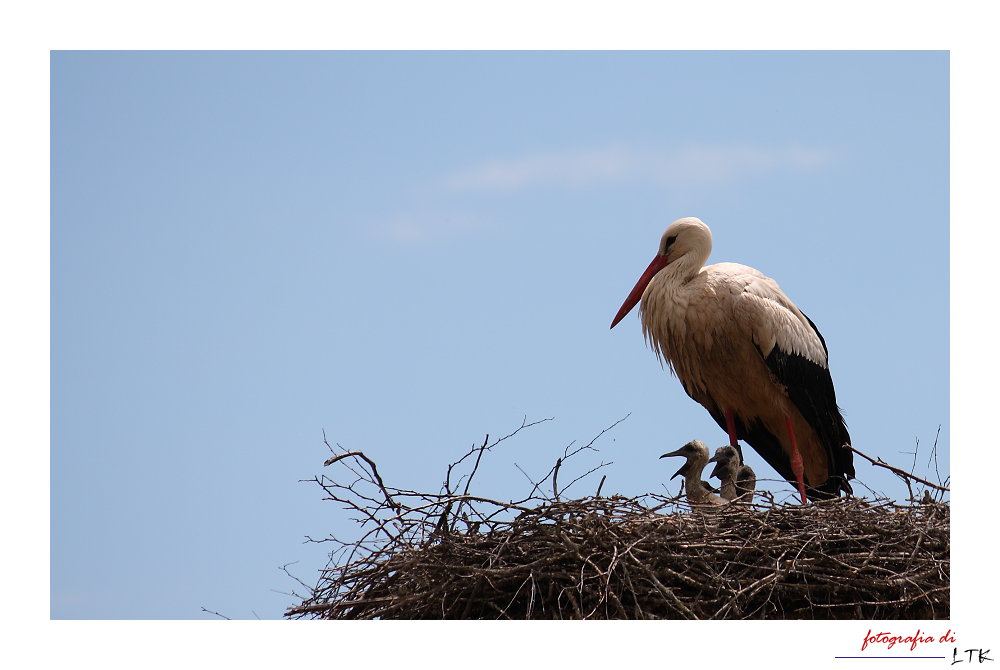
(696, 458)
(746, 353)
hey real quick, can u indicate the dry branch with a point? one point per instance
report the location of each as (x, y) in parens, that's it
(899, 472)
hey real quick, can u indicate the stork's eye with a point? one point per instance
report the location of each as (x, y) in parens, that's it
(670, 240)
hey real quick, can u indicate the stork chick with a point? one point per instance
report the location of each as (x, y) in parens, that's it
(738, 479)
(698, 491)
(746, 483)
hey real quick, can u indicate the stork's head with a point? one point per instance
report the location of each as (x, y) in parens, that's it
(687, 242)
(727, 461)
(695, 452)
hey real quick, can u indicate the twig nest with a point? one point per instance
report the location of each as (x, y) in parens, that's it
(646, 558)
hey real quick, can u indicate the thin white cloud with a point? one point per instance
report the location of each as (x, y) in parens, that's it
(687, 167)
(694, 165)
(574, 168)
(422, 226)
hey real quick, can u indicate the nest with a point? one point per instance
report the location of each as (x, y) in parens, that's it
(454, 555)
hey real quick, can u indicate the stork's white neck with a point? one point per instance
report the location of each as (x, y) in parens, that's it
(686, 266)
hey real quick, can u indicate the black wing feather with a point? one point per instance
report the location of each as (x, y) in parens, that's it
(810, 389)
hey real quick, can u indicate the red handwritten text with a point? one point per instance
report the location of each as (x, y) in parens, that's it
(891, 640)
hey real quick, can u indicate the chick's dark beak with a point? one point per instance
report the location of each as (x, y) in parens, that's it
(684, 468)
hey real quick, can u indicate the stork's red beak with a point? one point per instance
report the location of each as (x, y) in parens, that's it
(658, 264)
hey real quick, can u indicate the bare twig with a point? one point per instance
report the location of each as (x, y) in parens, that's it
(902, 473)
(221, 616)
(284, 568)
(371, 464)
(555, 475)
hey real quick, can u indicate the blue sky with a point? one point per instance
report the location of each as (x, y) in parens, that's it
(412, 250)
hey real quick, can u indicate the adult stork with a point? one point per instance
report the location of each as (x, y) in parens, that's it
(748, 355)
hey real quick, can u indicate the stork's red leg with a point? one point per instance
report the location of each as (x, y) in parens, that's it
(731, 428)
(796, 460)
